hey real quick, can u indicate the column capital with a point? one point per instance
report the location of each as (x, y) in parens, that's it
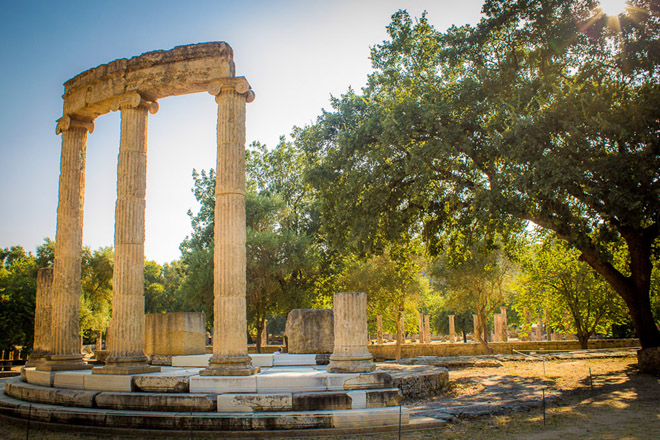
(237, 84)
(134, 100)
(68, 122)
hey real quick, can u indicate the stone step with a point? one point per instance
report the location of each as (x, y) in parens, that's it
(209, 421)
(198, 402)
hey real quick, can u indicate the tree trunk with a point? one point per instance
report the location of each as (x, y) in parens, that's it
(260, 330)
(482, 331)
(583, 337)
(634, 289)
(399, 334)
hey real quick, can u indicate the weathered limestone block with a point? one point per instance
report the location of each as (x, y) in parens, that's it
(175, 333)
(254, 402)
(381, 398)
(310, 331)
(162, 384)
(54, 396)
(372, 380)
(157, 402)
(321, 401)
(648, 360)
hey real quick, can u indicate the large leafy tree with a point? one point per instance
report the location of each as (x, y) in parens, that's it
(282, 260)
(547, 112)
(569, 294)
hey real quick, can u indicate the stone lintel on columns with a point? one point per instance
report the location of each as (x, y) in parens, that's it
(134, 100)
(68, 122)
(239, 84)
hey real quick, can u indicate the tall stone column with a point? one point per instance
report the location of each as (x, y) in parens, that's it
(452, 329)
(350, 354)
(475, 323)
(379, 329)
(65, 312)
(497, 324)
(505, 325)
(126, 354)
(42, 315)
(420, 319)
(230, 353)
(427, 329)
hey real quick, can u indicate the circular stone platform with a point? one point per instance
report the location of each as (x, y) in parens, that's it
(178, 398)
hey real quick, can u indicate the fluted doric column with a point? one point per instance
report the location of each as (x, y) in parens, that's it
(230, 353)
(65, 313)
(350, 354)
(42, 312)
(127, 342)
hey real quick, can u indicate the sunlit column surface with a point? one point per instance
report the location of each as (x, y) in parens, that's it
(350, 354)
(127, 342)
(230, 353)
(65, 313)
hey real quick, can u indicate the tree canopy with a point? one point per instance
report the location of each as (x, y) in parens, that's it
(547, 112)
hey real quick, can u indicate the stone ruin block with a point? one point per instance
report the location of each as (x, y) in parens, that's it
(175, 333)
(310, 331)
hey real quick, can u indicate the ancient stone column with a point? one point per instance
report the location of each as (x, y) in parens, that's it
(264, 334)
(42, 312)
(230, 353)
(505, 325)
(379, 329)
(497, 324)
(350, 354)
(420, 319)
(65, 312)
(126, 354)
(427, 329)
(475, 323)
(452, 329)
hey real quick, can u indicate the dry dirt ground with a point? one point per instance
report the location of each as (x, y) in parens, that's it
(506, 402)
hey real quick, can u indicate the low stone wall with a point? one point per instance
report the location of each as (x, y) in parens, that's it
(383, 352)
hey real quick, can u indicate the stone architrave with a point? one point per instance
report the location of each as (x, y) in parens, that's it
(350, 354)
(126, 354)
(379, 329)
(230, 353)
(310, 331)
(65, 312)
(452, 329)
(42, 316)
(420, 319)
(427, 329)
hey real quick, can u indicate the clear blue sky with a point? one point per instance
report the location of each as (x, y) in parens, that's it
(294, 53)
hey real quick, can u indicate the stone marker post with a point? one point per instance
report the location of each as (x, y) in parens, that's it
(42, 316)
(497, 324)
(420, 318)
(230, 353)
(452, 329)
(65, 313)
(264, 334)
(126, 354)
(350, 354)
(505, 325)
(379, 329)
(427, 329)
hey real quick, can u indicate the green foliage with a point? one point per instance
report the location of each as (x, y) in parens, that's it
(18, 287)
(96, 293)
(161, 284)
(568, 294)
(544, 112)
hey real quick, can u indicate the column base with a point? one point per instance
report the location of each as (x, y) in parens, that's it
(230, 366)
(122, 369)
(346, 364)
(63, 363)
